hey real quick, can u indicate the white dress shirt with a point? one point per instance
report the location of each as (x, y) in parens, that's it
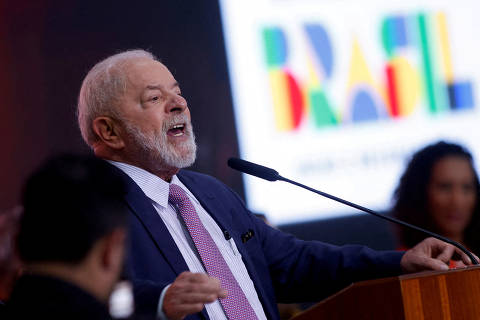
(157, 191)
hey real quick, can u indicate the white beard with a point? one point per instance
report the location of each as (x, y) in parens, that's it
(158, 151)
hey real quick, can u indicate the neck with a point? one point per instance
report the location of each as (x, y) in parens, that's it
(165, 175)
(77, 275)
(162, 171)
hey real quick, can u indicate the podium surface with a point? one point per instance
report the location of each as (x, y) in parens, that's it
(435, 295)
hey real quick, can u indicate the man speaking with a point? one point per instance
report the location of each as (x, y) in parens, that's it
(196, 250)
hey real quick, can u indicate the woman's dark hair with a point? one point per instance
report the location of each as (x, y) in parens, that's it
(411, 200)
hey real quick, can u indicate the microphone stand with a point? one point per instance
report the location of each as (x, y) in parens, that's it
(272, 175)
(405, 224)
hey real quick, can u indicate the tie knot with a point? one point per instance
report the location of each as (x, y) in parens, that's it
(176, 194)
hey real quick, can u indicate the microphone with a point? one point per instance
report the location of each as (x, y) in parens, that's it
(253, 169)
(272, 175)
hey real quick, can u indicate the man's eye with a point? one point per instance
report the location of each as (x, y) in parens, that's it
(155, 98)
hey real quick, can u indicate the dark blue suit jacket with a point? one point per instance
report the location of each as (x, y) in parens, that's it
(283, 268)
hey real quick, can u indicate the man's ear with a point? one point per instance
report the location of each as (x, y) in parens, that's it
(108, 131)
(113, 253)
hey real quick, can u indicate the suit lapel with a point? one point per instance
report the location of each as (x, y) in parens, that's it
(143, 209)
(208, 200)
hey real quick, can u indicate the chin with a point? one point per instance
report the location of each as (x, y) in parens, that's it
(179, 158)
(183, 155)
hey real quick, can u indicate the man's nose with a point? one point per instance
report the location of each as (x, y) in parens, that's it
(176, 103)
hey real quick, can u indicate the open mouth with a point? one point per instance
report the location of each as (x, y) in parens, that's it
(177, 130)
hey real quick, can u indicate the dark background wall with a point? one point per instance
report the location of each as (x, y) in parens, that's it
(46, 49)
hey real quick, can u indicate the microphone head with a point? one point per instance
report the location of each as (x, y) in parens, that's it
(253, 169)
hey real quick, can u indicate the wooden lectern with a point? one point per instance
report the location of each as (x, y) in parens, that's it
(452, 295)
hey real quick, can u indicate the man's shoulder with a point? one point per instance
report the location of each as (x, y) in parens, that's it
(200, 183)
(197, 177)
(45, 297)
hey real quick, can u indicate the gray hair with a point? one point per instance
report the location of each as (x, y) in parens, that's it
(102, 88)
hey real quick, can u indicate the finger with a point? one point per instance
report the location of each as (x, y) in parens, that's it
(210, 285)
(205, 282)
(198, 284)
(460, 264)
(193, 277)
(466, 259)
(198, 297)
(476, 258)
(434, 264)
(223, 294)
(446, 253)
(214, 282)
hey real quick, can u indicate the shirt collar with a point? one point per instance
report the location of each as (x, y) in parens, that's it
(154, 187)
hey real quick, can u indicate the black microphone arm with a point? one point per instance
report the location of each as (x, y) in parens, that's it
(272, 175)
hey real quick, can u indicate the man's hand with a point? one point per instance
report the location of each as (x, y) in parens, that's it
(432, 254)
(188, 294)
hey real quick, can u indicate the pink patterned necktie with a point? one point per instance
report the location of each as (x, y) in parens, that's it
(235, 305)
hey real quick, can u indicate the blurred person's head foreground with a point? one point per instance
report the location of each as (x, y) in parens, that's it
(72, 229)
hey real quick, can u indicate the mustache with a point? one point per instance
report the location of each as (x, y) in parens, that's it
(177, 119)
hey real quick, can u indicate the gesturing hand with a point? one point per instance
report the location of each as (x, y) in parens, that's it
(188, 294)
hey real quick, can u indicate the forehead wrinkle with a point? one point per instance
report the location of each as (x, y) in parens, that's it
(140, 79)
(161, 87)
(134, 76)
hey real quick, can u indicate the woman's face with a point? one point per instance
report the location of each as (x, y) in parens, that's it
(452, 195)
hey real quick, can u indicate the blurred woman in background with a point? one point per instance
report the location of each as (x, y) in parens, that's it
(439, 191)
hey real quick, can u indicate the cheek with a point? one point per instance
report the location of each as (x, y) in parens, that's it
(471, 202)
(187, 112)
(154, 122)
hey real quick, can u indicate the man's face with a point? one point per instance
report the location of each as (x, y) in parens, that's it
(156, 117)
